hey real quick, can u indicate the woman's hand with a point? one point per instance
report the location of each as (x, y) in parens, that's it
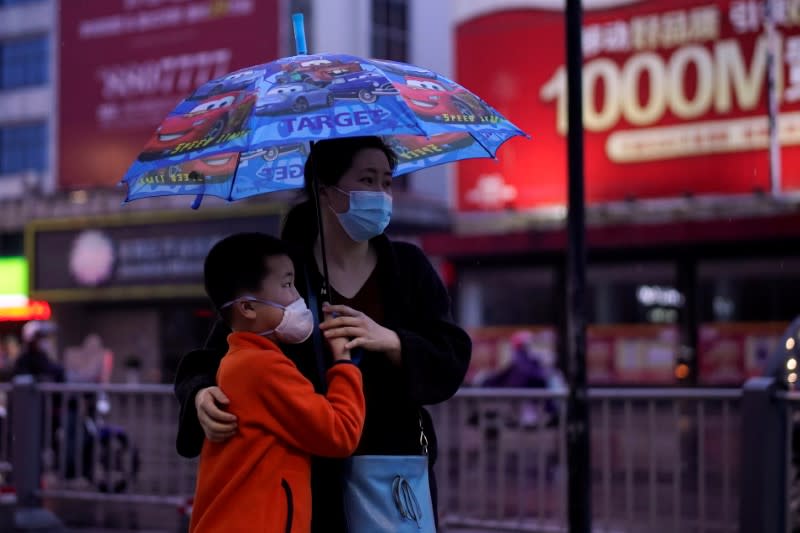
(361, 331)
(218, 425)
(336, 344)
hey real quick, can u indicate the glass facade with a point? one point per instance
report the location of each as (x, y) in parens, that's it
(23, 147)
(24, 62)
(390, 29)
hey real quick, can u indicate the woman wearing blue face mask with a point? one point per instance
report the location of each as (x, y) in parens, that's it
(389, 303)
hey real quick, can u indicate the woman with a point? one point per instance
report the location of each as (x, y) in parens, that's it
(388, 301)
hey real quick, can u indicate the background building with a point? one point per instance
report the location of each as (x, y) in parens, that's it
(693, 274)
(693, 271)
(82, 87)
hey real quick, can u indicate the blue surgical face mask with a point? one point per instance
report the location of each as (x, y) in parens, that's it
(368, 216)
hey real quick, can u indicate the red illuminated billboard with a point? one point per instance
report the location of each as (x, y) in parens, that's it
(675, 101)
(125, 64)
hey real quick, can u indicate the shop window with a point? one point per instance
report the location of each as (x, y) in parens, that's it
(390, 29)
(747, 291)
(23, 148)
(636, 293)
(632, 335)
(16, 2)
(24, 62)
(745, 306)
(509, 297)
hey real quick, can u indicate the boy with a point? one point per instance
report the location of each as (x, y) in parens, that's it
(260, 480)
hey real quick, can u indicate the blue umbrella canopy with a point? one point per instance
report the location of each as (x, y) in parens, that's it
(249, 132)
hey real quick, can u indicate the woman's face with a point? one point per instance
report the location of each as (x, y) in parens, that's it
(370, 171)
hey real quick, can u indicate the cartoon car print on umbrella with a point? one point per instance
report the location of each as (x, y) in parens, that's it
(413, 147)
(432, 100)
(288, 109)
(293, 98)
(217, 169)
(271, 153)
(212, 121)
(321, 70)
(366, 86)
(403, 69)
(236, 81)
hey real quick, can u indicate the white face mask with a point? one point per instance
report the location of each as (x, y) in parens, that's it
(296, 325)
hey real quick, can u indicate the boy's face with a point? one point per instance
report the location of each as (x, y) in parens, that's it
(277, 287)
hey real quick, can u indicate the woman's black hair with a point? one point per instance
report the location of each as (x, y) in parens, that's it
(330, 159)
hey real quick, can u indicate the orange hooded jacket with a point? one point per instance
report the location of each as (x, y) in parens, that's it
(260, 479)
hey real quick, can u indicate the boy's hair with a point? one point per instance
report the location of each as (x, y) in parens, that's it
(237, 264)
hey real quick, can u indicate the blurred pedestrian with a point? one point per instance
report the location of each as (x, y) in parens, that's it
(39, 356)
(9, 352)
(249, 278)
(39, 360)
(530, 367)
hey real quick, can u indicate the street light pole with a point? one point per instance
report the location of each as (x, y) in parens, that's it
(579, 484)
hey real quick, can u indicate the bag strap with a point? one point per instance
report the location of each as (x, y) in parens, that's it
(423, 439)
(316, 335)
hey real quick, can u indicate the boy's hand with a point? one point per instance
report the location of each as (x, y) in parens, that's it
(337, 345)
(360, 330)
(218, 425)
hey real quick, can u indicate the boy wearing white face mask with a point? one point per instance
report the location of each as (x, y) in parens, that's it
(260, 479)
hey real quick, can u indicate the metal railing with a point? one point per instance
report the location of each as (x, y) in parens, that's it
(792, 459)
(114, 443)
(663, 459)
(501, 459)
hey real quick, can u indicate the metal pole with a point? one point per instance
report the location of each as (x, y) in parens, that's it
(764, 454)
(578, 442)
(772, 97)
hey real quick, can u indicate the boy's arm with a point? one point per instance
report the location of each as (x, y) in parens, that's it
(328, 426)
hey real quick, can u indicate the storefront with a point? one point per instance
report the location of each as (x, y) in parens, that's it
(714, 297)
(134, 279)
(16, 308)
(692, 211)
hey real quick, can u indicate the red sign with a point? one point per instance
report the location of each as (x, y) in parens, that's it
(630, 354)
(31, 310)
(675, 101)
(732, 353)
(125, 64)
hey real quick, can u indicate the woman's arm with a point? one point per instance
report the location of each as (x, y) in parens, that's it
(430, 349)
(435, 351)
(197, 371)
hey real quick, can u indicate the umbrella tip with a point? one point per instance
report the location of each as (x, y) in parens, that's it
(299, 34)
(197, 200)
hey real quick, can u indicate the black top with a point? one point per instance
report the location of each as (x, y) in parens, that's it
(39, 365)
(435, 355)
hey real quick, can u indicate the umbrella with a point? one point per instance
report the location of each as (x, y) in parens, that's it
(250, 132)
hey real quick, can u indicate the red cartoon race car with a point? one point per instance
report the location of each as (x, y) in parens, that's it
(433, 100)
(205, 124)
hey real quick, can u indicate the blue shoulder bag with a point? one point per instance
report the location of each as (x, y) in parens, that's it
(382, 493)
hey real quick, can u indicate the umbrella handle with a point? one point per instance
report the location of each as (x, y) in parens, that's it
(299, 34)
(324, 292)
